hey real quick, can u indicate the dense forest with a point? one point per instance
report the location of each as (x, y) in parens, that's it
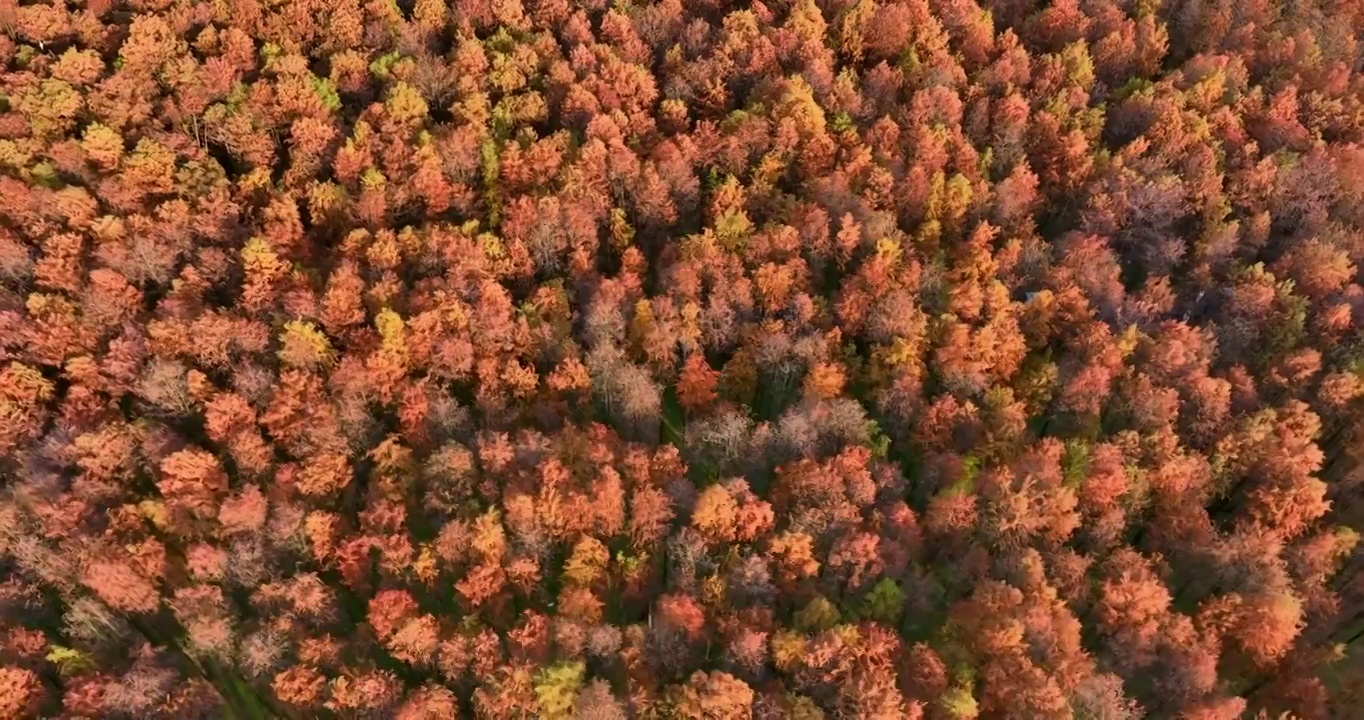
(925, 359)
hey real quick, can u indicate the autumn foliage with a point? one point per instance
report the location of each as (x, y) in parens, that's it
(926, 359)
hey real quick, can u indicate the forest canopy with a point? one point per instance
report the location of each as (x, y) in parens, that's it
(924, 359)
